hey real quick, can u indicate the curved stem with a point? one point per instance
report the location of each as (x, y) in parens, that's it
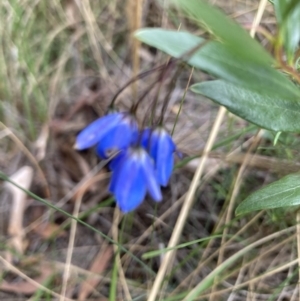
(132, 80)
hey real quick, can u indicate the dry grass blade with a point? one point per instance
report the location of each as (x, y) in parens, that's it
(200, 287)
(134, 14)
(58, 73)
(233, 196)
(78, 202)
(115, 235)
(41, 143)
(22, 177)
(28, 288)
(79, 189)
(254, 280)
(66, 274)
(28, 154)
(49, 229)
(98, 266)
(242, 168)
(168, 259)
(16, 271)
(203, 263)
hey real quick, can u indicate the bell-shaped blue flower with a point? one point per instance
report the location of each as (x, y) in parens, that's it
(133, 176)
(114, 131)
(115, 162)
(161, 148)
(119, 138)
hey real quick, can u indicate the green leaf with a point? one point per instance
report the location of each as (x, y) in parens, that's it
(265, 110)
(225, 29)
(288, 17)
(220, 61)
(291, 32)
(282, 193)
(280, 7)
(184, 245)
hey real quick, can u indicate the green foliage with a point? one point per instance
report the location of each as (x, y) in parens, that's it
(25, 64)
(288, 17)
(282, 193)
(37, 59)
(227, 31)
(165, 250)
(250, 86)
(267, 111)
(219, 60)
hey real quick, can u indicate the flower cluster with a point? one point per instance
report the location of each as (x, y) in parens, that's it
(144, 161)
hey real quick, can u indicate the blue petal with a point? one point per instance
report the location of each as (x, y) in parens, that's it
(100, 151)
(164, 158)
(118, 138)
(145, 136)
(161, 148)
(117, 160)
(114, 141)
(116, 165)
(94, 132)
(113, 182)
(149, 141)
(150, 177)
(154, 145)
(129, 185)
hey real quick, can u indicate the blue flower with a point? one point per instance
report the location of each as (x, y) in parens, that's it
(115, 162)
(119, 138)
(114, 131)
(133, 176)
(161, 148)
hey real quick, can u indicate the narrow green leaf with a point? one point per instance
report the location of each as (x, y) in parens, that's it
(218, 60)
(215, 274)
(288, 17)
(280, 6)
(282, 193)
(4, 177)
(291, 32)
(276, 138)
(225, 29)
(114, 280)
(268, 111)
(184, 245)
